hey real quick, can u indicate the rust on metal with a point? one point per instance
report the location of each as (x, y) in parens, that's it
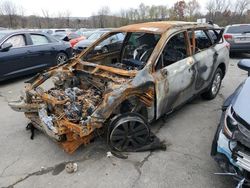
(83, 95)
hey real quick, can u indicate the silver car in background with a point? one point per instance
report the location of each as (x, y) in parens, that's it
(238, 36)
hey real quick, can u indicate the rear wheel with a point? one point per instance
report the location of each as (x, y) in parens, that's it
(128, 132)
(61, 58)
(214, 87)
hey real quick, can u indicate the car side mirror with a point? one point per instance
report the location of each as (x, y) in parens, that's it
(244, 64)
(5, 47)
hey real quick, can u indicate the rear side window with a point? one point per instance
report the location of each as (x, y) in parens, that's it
(16, 41)
(239, 29)
(202, 40)
(213, 35)
(39, 39)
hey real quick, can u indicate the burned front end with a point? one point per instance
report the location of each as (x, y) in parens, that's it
(108, 88)
(231, 144)
(70, 102)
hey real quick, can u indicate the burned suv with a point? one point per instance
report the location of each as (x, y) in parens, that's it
(158, 67)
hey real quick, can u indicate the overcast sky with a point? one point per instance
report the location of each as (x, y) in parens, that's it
(85, 8)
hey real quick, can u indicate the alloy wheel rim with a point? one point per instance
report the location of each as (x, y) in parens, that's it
(129, 135)
(216, 83)
(61, 59)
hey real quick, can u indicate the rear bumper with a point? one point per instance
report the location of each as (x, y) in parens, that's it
(239, 47)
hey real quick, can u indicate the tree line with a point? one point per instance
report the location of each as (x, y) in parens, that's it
(221, 12)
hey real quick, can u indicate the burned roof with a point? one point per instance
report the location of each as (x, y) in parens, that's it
(157, 27)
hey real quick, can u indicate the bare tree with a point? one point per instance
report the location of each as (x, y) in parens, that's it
(193, 8)
(218, 8)
(211, 8)
(103, 11)
(46, 15)
(163, 12)
(23, 19)
(179, 9)
(143, 11)
(67, 16)
(153, 14)
(9, 9)
(241, 6)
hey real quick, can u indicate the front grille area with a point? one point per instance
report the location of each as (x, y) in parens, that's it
(243, 160)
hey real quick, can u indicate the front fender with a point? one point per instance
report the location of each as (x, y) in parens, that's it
(145, 93)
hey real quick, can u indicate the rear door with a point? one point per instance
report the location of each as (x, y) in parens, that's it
(175, 74)
(205, 57)
(42, 51)
(14, 61)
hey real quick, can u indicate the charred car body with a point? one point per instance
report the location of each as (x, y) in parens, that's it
(158, 67)
(231, 144)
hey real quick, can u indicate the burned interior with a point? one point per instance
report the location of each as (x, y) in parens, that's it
(132, 53)
(116, 88)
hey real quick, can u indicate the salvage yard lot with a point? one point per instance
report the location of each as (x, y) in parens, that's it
(188, 134)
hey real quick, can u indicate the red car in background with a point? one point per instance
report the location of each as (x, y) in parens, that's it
(75, 38)
(72, 38)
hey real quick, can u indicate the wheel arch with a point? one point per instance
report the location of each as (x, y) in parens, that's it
(62, 51)
(137, 99)
(222, 66)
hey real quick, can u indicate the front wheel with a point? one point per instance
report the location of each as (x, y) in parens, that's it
(214, 87)
(61, 58)
(129, 131)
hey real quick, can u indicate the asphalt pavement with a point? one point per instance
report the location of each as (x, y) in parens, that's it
(188, 134)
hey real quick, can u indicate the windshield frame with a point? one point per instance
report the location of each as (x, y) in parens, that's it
(83, 55)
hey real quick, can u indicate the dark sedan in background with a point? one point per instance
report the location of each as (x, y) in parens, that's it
(238, 35)
(107, 45)
(26, 52)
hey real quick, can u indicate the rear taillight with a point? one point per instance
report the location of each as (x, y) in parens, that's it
(228, 37)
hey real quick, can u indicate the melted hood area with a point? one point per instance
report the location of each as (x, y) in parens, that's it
(76, 92)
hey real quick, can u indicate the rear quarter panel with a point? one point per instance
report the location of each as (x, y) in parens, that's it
(223, 54)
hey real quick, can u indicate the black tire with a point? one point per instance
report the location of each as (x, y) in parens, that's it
(232, 54)
(61, 58)
(214, 87)
(128, 132)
